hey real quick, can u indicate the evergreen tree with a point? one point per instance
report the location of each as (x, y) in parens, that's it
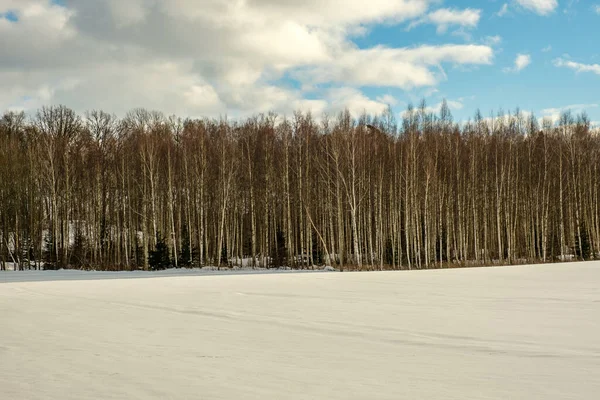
(186, 256)
(224, 260)
(584, 253)
(159, 257)
(389, 252)
(279, 252)
(78, 254)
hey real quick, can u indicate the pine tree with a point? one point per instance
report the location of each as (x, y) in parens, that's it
(186, 256)
(224, 260)
(389, 253)
(159, 257)
(279, 252)
(78, 254)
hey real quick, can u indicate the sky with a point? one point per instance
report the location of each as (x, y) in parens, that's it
(237, 58)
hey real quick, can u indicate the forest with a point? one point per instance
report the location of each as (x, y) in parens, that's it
(149, 191)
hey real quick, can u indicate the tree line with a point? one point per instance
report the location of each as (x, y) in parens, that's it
(149, 191)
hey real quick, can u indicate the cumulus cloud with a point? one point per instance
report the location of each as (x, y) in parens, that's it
(355, 101)
(235, 57)
(445, 17)
(541, 7)
(577, 67)
(597, 9)
(40, 28)
(166, 86)
(395, 67)
(521, 62)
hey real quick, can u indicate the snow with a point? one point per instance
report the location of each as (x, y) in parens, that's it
(527, 332)
(10, 266)
(77, 275)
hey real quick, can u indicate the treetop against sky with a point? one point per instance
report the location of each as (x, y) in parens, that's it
(217, 57)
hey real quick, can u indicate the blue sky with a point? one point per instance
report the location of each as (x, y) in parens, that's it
(244, 57)
(570, 32)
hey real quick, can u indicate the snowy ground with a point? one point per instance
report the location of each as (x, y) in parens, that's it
(77, 275)
(490, 333)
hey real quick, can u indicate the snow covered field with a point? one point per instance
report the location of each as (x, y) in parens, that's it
(78, 275)
(490, 333)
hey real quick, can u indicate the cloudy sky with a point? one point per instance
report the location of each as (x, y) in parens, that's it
(241, 57)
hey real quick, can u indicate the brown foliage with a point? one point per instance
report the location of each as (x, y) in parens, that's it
(99, 192)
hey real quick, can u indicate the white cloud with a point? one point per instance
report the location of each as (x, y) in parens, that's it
(521, 62)
(503, 11)
(313, 12)
(577, 67)
(166, 86)
(458, 54)
(387, 99)
(354, 100)
(554, 114)
(443, 18)
(220, 56)
(547, 49)
(492, 40)
(597, 9)
(395, 67)
(541, 7)
(41, 28)
(453, 105)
